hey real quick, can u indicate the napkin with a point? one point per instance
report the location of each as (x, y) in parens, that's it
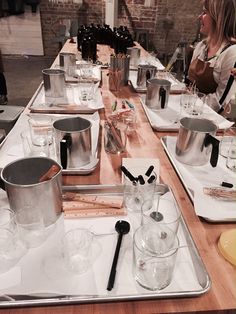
(11, 278)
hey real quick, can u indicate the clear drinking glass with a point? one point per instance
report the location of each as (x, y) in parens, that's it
(154, 255)
(30, 149)
(77, 250)
(226, 140)
(138, 195)
(41, 130)
(7, 219)
(11, 250)
(231, 157)
(198, 105)
(30, 226)
(115, 137)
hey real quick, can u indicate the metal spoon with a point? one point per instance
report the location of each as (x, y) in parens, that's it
(122, 227)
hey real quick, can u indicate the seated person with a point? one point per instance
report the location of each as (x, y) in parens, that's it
(215, 56)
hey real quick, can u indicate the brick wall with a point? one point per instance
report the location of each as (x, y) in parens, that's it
(167, 21)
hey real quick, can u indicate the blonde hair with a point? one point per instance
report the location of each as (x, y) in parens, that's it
(223, 14)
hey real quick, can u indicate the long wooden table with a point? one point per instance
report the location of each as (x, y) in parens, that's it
(221, 298)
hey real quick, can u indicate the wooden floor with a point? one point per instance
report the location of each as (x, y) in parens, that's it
(21, 34)
(23, 75)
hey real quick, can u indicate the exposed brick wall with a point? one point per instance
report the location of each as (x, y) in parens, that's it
(167, 21)
(91, 11)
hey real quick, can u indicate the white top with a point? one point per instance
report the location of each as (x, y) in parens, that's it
(222, 63)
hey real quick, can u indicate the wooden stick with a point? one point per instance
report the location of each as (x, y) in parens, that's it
(229, 195)
(50, 173)
(92, 212)
(115, 134)
(94, 200)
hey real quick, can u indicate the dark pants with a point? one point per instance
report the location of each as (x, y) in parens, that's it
(3, 85)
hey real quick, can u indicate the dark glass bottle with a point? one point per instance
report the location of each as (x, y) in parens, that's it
(89, 47)
(80, 36)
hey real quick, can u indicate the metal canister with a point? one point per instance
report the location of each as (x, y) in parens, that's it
(73, 142)
(26, 191)
(145, 72)
(157, 93)
(196, 143)
(54, 82)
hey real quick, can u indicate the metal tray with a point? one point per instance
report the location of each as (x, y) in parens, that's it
(167, 120)
(11, 148)
(38, 104)
(189, 191)
(176, 88)
(91, 286)
(170, 115)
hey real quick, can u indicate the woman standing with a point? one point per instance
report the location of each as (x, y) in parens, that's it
(215, 56)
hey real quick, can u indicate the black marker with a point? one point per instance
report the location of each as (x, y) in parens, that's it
(151, 179)
(149, 171)
(127, 174)
(141, 180)
(227, 185)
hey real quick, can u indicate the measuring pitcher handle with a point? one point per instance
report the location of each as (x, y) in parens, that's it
(162, 97)
(209, 139)
(2, 185)
(65, 145)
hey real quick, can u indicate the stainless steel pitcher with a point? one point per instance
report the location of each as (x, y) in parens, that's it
(67, 60)
(157, 93)
(73, 142)
(196, 143)
(54, 82)
(25, 190)
(145, 72)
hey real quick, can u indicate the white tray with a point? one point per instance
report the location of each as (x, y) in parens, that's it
(11, 148)
(41, 278)
(66, 105)
(168, 119)
(194, 178)
(176, 86)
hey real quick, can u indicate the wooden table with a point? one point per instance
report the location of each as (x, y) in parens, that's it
(221, 298)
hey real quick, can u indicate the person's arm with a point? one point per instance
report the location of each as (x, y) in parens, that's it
(222, 71)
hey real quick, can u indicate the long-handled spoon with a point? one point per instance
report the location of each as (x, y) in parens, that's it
(122, 227)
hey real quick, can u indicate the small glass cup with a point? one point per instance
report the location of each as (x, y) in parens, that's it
(167, 213)
(138, 195)
(30, 149)
(77, 250)
(7, 219)
(198, 105)
(154, 255)
(187, 102)
(11, 250)
(41, 128)
(115, 137)
(231, 158)
(87, 90)
(226, 140)
(130, 119)
(30, 226)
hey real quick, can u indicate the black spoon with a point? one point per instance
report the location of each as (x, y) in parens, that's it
(122, 227)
